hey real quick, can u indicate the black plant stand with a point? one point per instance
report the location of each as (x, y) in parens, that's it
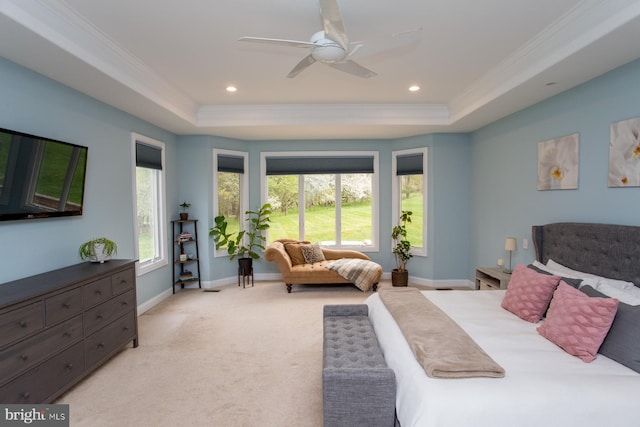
(245, 271)
(180, 259)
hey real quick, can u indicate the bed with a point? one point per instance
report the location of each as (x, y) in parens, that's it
(543, 384)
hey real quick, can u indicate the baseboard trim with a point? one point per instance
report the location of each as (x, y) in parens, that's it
(438, 284)
(149, 304)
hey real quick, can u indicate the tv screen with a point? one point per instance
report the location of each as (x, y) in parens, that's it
(40, 177)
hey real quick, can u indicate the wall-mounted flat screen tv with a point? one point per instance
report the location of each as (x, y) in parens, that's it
(40, 177)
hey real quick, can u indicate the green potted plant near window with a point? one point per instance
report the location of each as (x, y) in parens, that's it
(244, 244)
(402, 250)
(184, 215)
(98, 250)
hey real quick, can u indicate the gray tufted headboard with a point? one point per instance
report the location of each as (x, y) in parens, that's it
(602, 249)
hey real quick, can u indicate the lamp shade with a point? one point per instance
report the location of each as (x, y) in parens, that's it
(510, 244)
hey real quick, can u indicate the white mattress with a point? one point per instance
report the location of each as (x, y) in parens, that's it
(543, 386)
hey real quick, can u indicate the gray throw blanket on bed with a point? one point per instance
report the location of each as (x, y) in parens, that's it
(440, 346)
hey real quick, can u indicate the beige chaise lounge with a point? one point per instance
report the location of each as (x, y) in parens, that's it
(295, 270)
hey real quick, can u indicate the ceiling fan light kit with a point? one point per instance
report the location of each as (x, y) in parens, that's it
(331, 45)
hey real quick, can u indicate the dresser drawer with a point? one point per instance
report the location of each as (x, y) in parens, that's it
(107, 340)
(107, 312)
(40, 383)
(63, 306)
(96, 292)
(123, 281)
(19, 323)
(32, 351)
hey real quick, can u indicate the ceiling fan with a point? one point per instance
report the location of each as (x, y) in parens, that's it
(331, 45)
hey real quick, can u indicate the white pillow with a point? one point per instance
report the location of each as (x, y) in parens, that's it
(591, 281)
(621, 295)
(553, 271)
(618, 284)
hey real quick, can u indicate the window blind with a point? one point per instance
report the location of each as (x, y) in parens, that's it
(307, 165)
(409, 164)
(148, 156)
(229, 163)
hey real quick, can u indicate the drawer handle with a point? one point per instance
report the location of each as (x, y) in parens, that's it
(125, 328)
(99, 316)
(26, 395)
(67, 334)
(125, 303)
(69, 366)
(98, 292)
(24, 357)
(100, 345)
(23, 324)
(123, 281)
(66, 305)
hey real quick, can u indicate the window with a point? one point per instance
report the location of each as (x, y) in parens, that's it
(230, 189)
(329, 198)
(149, 203)
(409, 193)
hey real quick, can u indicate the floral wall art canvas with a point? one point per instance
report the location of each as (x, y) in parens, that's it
(624, 154)
(558, 163)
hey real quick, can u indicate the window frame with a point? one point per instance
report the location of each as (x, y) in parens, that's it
(244, 189)
(163, 258)
(375, 193)
(396, 195)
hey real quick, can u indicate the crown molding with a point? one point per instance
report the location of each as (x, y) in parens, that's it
(335, 114)
(57, 22)
(576, 29)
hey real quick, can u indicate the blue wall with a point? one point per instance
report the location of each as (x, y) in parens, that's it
(448, 177)
(504, 198)
(34, 104)
(481, 186)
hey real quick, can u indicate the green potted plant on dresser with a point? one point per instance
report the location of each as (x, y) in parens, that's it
(401, 250)
(244, 244)
(98, 250)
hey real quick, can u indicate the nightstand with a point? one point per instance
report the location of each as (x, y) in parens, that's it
(490, 278)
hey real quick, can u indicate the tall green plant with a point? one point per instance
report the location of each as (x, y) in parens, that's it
(402, 248)
(245, 243)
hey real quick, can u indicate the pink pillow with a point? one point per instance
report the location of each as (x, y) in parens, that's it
(578, 323)
(529, 293)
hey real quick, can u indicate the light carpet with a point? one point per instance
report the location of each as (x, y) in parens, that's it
(238, 357)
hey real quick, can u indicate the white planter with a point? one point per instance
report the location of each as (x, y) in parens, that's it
(98, 254)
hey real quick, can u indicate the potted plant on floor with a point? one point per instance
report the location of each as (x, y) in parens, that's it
(184, 215)
(402, 250)
(98, 250)
(244, 244)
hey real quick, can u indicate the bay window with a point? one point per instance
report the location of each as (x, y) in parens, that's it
(325, 197)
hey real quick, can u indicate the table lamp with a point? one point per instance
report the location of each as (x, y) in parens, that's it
(509, 246)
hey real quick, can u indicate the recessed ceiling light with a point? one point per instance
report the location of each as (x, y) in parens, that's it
(414, 88)
(231, 88)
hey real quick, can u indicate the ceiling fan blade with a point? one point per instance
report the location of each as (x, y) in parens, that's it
(306, 62)
(293, 43)
(375, 46)
(332, 23)
(353, 68)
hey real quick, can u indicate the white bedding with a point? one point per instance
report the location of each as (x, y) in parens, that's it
(543, 386)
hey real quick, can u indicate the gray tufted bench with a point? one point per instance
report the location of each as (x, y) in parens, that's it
(357, 386)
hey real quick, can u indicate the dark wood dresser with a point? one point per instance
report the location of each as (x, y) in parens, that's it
(59, 326)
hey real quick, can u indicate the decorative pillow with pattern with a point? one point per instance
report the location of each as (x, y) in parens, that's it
(578, 323)
(312, 253)
(295, 253)
(529, 293)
